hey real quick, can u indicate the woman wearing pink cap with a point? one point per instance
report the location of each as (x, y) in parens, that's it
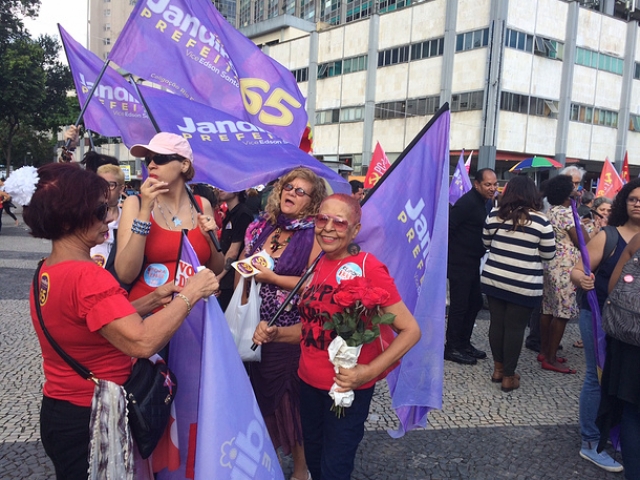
(151, 224)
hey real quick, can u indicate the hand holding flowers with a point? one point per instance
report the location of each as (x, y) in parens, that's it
(357, 324)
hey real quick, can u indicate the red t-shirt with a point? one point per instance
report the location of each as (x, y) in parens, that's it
(161, 252)
(77, 299)
(317, 298)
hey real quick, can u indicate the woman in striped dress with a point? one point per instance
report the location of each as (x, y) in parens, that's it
(519, 237)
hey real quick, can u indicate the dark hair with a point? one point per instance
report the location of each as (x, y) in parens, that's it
(356, 185)
(619, 214)
(519, 197)
(93, 160)
(206, 191)
(64, 201)
(558, 189)
(587, 197)
(480, 174)
(352, 204)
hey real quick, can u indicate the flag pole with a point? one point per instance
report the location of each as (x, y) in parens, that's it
(404, 153)
(291, 294)
(212, 235)
(144, 103)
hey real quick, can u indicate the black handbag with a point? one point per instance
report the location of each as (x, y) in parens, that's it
(150, 389)
(621, 312)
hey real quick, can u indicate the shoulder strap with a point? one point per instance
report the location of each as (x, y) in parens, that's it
(79, 369)
(612, 236)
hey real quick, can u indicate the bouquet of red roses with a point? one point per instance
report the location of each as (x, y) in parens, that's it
(358, 323)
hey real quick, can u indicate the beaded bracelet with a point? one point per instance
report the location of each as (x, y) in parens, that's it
(140, 227)
(186, 300)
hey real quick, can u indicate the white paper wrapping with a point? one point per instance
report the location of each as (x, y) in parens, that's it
(342, 355)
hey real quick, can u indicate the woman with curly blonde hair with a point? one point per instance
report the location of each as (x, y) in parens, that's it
(286, 232)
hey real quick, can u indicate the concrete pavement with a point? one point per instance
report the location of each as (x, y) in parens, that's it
(480, 433)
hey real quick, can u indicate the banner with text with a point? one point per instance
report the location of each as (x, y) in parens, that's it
(187, 47)
(405, 224)
(115, 109)
(230, 153)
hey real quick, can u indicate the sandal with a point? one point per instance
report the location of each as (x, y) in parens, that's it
(558, 359)
(553, 368)
(578, 344)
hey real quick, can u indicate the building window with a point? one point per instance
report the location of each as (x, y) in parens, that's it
(355, 64)
(471, 40)
(330, 12)
(358, 9)
(107, 1)
(601, 61)
(636, 71)
(391, 5)
(393, 56)
(107, 27)
(426, 49)
(408, 108)
(518, 40)
(593, 115)
(518, 103)
(325, 117)
(107, 12)
(301, 74)
(634, 123)
(548, 48)
(106, 41)
(467, 101)
(351, 114)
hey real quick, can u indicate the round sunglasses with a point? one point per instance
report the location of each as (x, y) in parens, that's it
(299, 191)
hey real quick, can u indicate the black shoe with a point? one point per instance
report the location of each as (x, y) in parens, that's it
(533, 346)
(459, 357)
(475, 353)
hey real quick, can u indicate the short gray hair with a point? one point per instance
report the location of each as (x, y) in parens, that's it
(573, 169)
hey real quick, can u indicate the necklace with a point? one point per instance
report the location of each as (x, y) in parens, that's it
(174, 218)
(275, 241)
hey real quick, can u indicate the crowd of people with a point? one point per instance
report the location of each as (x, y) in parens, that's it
(527, 241)
(107, 294)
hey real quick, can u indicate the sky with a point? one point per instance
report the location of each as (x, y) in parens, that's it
(72, 16)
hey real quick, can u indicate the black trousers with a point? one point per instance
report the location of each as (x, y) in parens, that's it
(465, 301)
(64, 430)
(506, 331)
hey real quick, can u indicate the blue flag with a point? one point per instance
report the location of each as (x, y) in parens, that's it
(230, 153)
(218, 428)
(405, 224)
(460, 182)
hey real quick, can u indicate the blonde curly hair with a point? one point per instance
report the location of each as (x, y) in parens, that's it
(317, 194)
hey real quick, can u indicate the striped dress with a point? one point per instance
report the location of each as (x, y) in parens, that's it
(513, 271)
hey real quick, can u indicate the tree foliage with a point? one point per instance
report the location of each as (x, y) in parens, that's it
(33, 86)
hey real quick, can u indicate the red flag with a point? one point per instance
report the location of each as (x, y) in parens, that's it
(379, 165)
(610, 182)
(625, 168)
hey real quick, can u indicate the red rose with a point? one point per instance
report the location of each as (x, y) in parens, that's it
(374, 297)
(346, 298)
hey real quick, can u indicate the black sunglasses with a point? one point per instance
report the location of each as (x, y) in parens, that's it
(101, 211)
(159, 159)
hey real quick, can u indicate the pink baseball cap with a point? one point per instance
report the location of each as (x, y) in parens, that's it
(164, 143)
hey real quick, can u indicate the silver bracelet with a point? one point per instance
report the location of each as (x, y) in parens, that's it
(186, 300)
(140, 227)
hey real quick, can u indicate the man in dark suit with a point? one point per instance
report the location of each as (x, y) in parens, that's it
(466, 249)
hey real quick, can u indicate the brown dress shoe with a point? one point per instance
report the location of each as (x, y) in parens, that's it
(498, 372)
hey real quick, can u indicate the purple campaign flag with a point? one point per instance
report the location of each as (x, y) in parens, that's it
(460, 182)
(592, 297)
(233, 441)
(187, 47)
(405, 224)
(115, 109)
(230, 153)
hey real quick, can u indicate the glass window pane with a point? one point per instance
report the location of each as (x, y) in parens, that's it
(529, 47)
(594, 59)
(485, 37)
(433, 48)
(574, 112)
(588, 115)
(387, 57)
(579, 56)
(477, 39)
(459, 42)
(468, 41)
(381, 59)
(521, 41)
(394, 56)
(416, 51)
